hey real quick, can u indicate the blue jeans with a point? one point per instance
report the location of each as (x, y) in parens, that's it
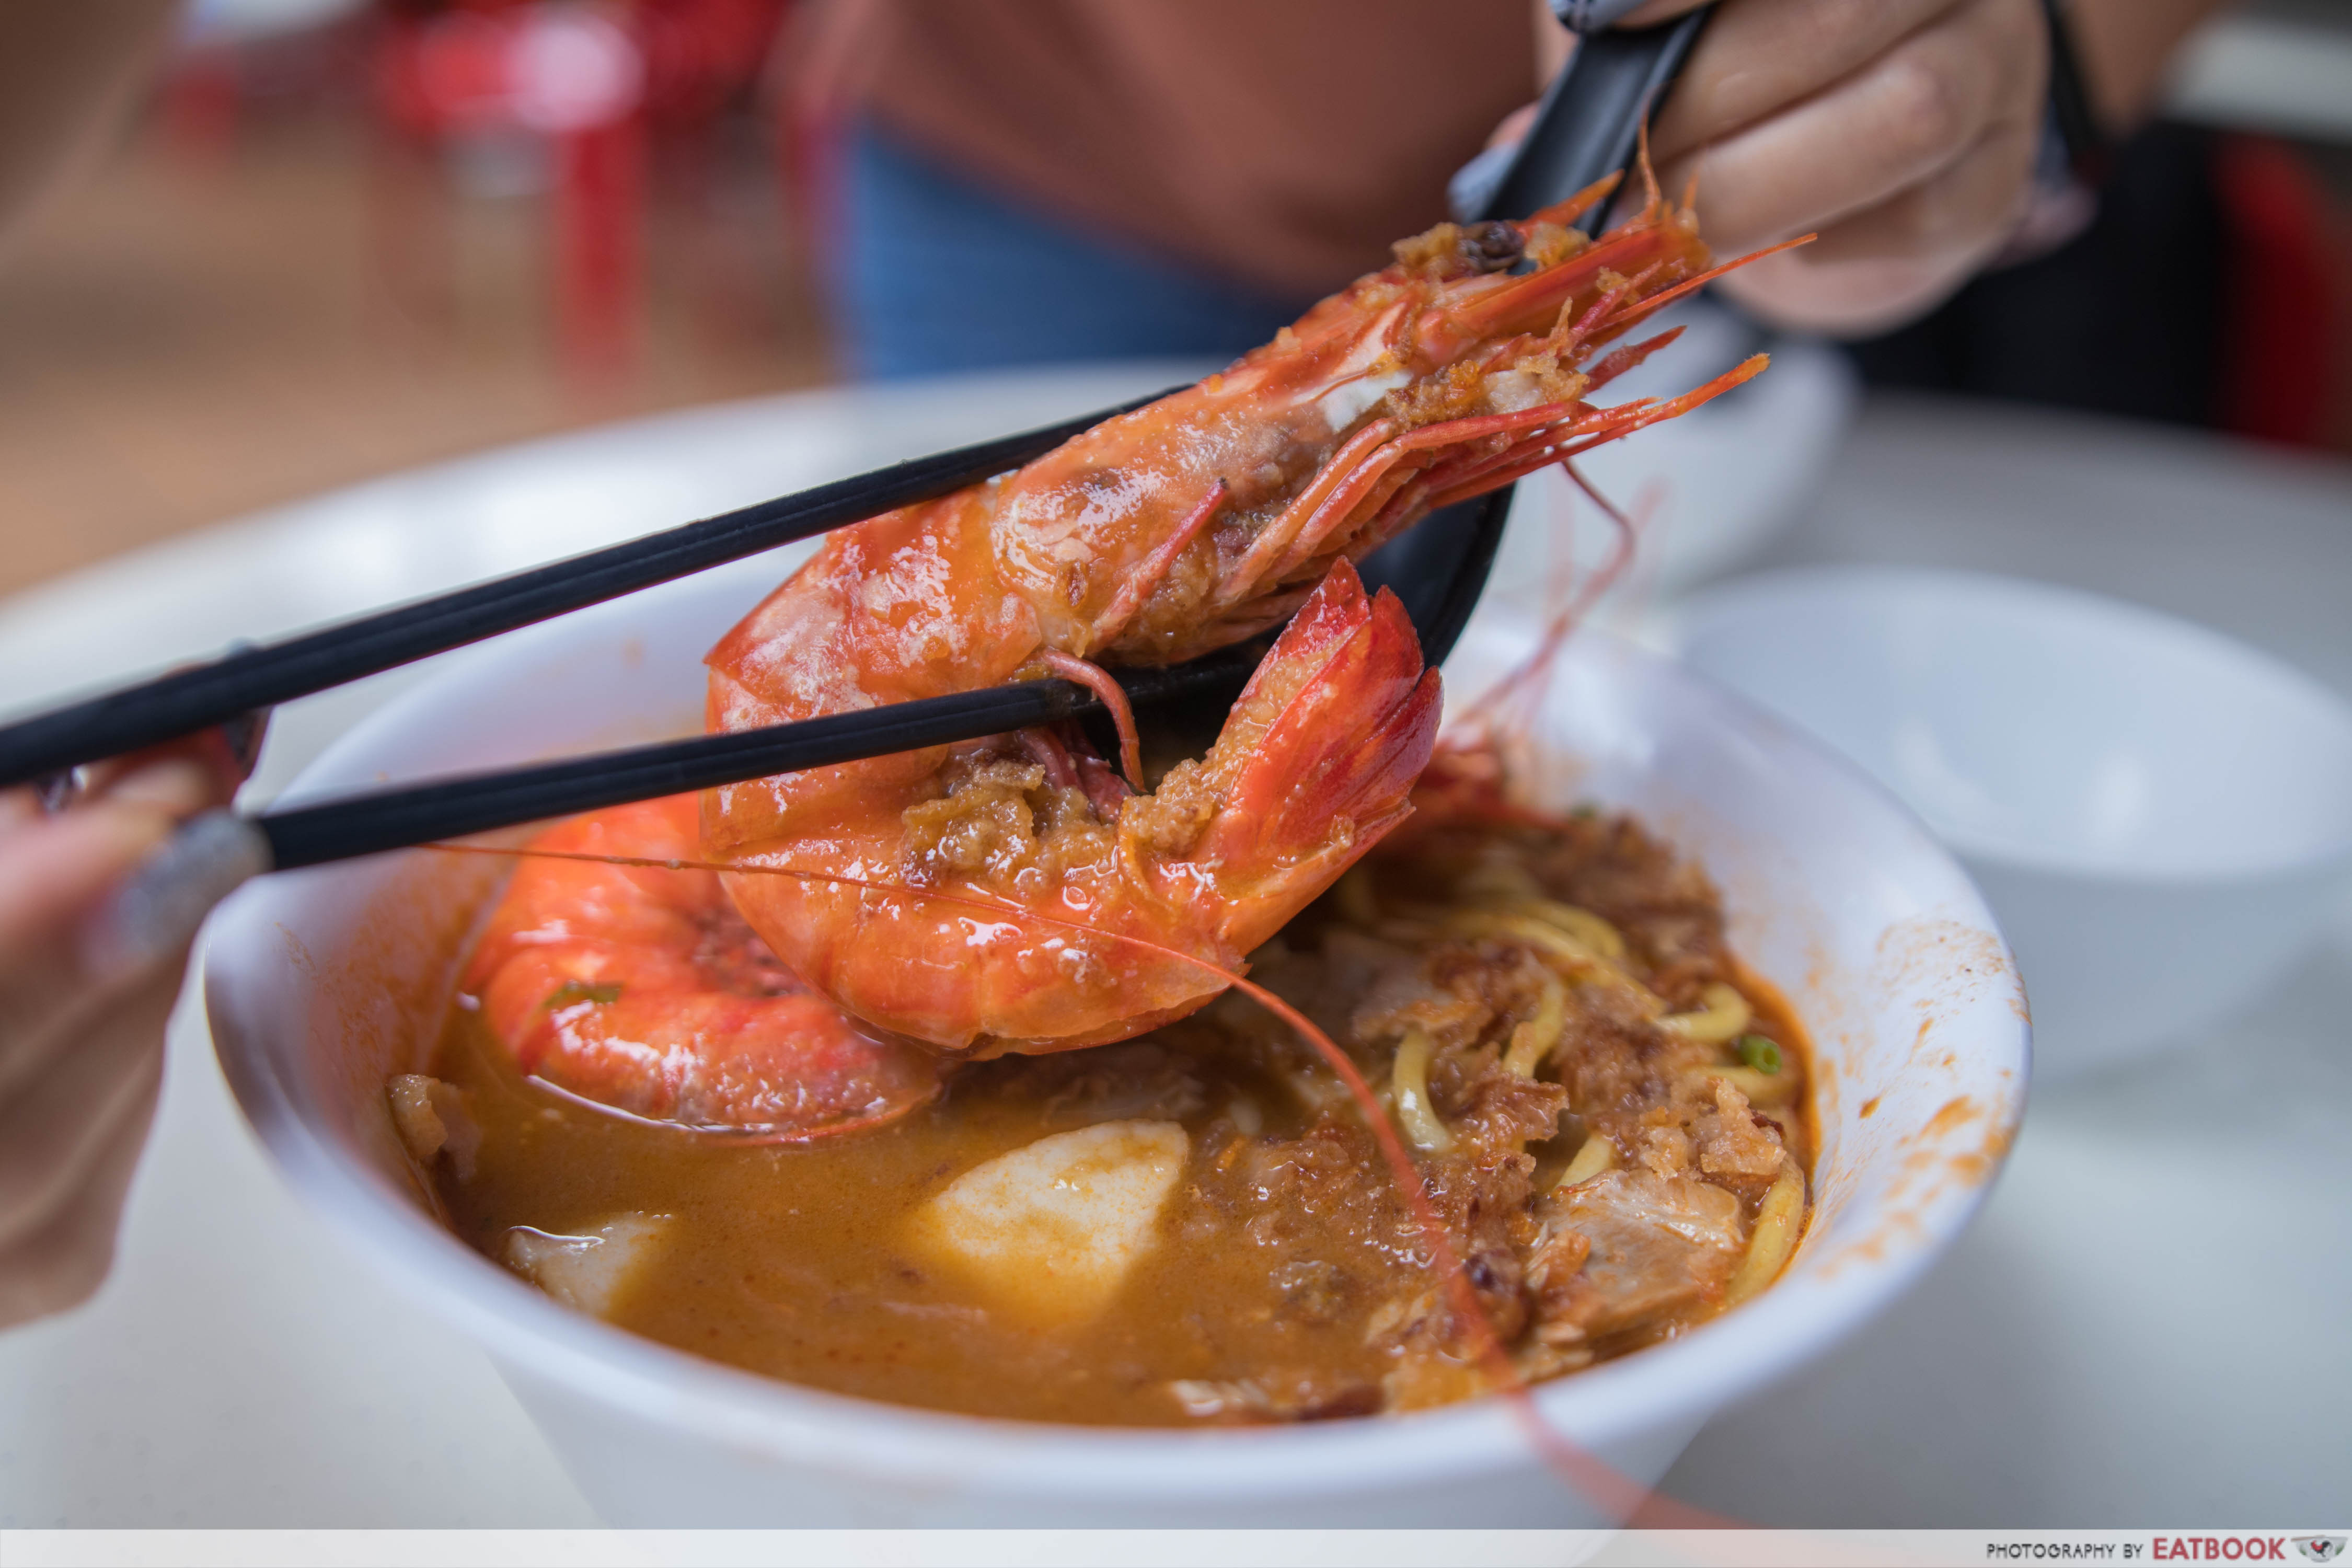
(934, 272)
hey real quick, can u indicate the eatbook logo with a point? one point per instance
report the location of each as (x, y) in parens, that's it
(2320, 1548)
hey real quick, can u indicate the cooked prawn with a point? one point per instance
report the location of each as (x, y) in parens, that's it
(641, 989)
(1205, 519)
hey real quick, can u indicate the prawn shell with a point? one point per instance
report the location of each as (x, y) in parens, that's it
(638, 988)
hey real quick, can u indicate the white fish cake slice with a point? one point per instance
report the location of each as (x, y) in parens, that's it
(1052, 1230)
(586, 1272)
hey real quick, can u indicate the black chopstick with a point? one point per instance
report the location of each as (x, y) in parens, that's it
(1590, 125)
(477, 802)
(192, 700)
(1436, 569)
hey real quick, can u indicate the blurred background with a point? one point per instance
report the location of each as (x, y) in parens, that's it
(347, 237)
(344, 239)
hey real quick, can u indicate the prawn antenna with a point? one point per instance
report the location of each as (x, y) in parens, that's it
(1504, 707)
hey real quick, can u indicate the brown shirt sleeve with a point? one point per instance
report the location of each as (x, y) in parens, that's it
(1283, 144)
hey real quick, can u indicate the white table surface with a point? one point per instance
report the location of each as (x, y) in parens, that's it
(2147, 1325)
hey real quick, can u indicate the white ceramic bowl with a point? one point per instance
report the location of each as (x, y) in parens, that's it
(320, 984)
(2161, 817)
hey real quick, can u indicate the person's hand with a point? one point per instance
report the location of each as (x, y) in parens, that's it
(97, 905)
(1901, 132)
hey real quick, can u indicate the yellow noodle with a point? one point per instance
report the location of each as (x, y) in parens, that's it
(1581, 960)
(1423, 1128)
(1762, 1088)
(1525, 928)
(1724, 1017)
(1582, 924)
(1549, 940)
(1596, 1154)
(1777, 1219)
(1532, 1041)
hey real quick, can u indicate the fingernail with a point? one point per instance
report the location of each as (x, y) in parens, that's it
(154, 913)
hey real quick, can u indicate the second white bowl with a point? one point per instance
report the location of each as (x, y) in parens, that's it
(2160, 817)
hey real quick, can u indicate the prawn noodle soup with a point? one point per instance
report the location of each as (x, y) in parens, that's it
(1196, 1227)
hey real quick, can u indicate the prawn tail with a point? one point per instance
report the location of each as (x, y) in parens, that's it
(1334, 727)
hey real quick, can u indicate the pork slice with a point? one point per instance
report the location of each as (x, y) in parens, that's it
(1652, 1247)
